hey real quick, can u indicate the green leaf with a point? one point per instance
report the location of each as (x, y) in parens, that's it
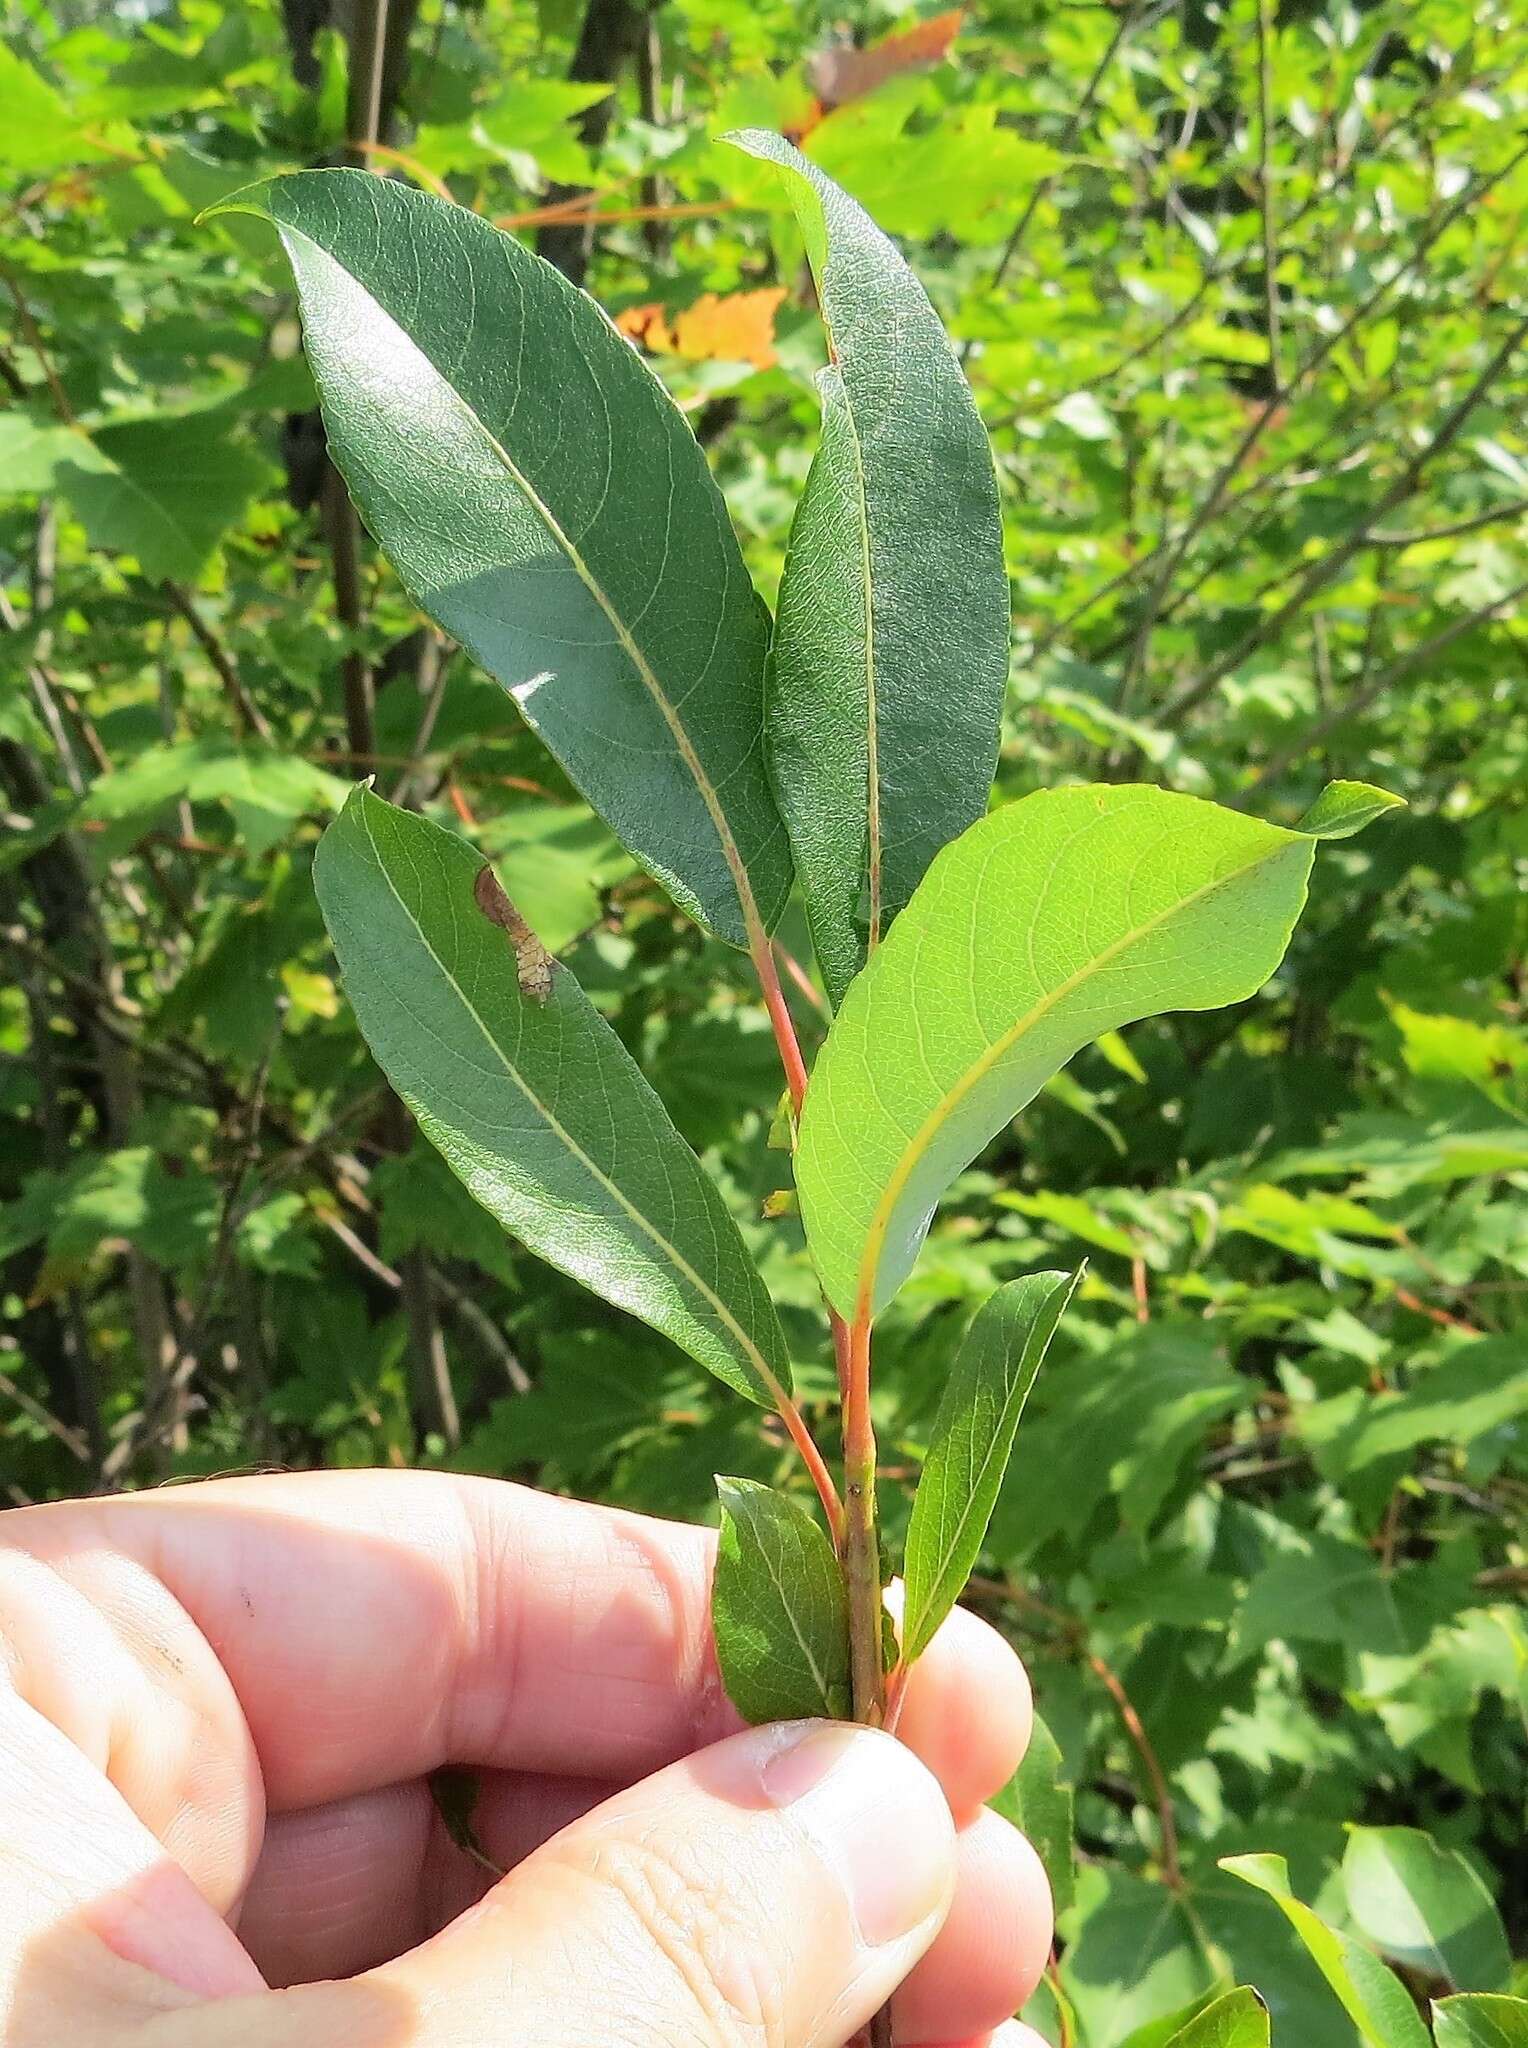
(890, 653)
(1424, 1906)
(165, 490)
(1344, 808)
(535, 1104)
(973, 1433)
(1481, 2021)
(1067, 914)
(778, 1608)
(1237, 2020)
(541, 497)
(1374, 1998)
(1039, 1800)
(31, 450)
(1136, 1955)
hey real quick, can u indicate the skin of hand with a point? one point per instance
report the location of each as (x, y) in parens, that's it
(219, 1708)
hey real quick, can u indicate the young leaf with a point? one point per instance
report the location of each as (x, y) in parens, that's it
(542, 498)
(1239, 2019)
(535, 1104)
(1039, 1800)
(1425, 1907)
(890, 653)
(1376, 2001)
(1344, 808)
(778, 1609)
(1481, 2020)
(1067, 914)
(968, 1452)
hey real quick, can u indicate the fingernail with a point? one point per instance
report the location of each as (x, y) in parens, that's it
(877, 1818)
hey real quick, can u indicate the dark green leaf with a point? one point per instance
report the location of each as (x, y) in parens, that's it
(890, 652)
(778, 1608)
(541, 498)
(536, 1105)
(972, 1437)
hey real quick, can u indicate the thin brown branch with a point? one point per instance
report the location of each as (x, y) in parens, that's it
(1331, 564)
(247, 715)
(1388, 679)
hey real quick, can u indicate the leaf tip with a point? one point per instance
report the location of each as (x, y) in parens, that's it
(1344, 808)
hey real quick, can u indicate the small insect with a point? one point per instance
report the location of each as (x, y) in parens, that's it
(533, 963)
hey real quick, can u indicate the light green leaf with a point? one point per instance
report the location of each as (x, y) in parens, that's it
(1067, 914)
(890, 652)
(1344, 808)
(1481, 2021)
(164, 490)
(1425, 1906)
(1039, 1800)
(535, 1104)
(974, 1429)
(1237, 2020)
(1373, 1997)
(1136, 1955)
(541, 497)
(31, 450)
(778, 1609)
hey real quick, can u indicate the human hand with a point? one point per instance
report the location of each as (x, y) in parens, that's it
(219, 1707)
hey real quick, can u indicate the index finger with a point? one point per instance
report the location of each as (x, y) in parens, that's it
(377, 1625)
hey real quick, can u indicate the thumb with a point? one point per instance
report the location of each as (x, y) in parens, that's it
(773, 1889)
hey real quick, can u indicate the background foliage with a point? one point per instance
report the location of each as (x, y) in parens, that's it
(1239, 289)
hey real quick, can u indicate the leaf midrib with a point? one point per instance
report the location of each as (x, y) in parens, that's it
(671, 1251)
(948, 1103)
(645, 672)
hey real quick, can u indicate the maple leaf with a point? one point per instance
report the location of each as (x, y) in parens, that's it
(729, 327)
(842, 73)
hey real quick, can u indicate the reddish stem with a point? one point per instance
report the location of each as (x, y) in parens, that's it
(781, 1021)
(816, 1464)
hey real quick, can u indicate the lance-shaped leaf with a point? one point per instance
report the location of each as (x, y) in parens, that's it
(1070, 913)
(1237, 2019)
(974, 1429)
(1375, 1999)
(532, 1099)
(890, 652)
(779, 1611)
(542, 498)
(1344, 808)
(1481, 2020)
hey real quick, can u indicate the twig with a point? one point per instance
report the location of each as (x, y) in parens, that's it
(1331, 564)
(245, 710)
(1386, 680)
(71, 1439)
(1265, 185)
(1281, 395)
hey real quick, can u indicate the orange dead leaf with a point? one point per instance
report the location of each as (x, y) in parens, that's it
(842, 73)
(731, 327)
